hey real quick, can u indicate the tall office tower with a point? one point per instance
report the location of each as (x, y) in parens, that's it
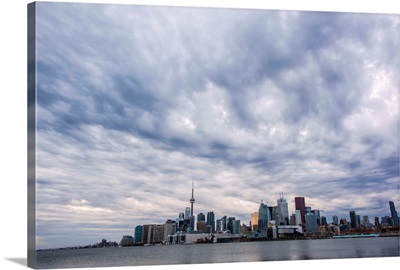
(191, 222)
(192, 200)
(181, 216)
(211, 221)
(317, 215)
(394, 215)
(335, 220)
(377, 224)
(300, 204)
(229, 224)
(201, 217)
(235, 227)
(263, 216)
(283, 211)
(365, 221)
(145, 233)
(358, 219)
(156, 234)
(308, 210)
(169, 229)
(297, 214)
(353, 219)
(311, 223)
(323, 220)
(187, 212)
(218, 228)
(223, 223)
(138, 234)
(254, 220)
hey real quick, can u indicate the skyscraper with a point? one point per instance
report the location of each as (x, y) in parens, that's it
(254, 220)
(353, 219)
(300, 204)
(211, 221)
(138, 234)
(187, 213)
(393, 212)
(201, 217)
(229, 224)
(263, 216)
(311, 223)
(335, 220)
(282, 211)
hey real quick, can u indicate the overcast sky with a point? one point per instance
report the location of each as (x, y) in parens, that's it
(135, 102)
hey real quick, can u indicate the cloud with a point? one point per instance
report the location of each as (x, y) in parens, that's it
(135, 102)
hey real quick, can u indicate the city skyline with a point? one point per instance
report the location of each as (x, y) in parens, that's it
(245, 103)
(331, 218)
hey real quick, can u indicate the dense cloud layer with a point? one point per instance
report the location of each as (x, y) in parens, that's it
(135, 102)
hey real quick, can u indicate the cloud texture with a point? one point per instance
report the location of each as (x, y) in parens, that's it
(135, 102)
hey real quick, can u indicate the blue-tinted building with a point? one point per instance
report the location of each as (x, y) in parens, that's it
(353, 219)
(264, 216)
(393, 213)
(211, 222)
(335, 220)
(138, 234)
(311, 223)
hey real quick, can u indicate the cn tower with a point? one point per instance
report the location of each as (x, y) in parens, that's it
(192, 200)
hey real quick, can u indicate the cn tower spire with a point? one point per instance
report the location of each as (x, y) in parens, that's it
(192, 199)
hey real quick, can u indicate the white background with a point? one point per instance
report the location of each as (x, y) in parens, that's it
(13, 173)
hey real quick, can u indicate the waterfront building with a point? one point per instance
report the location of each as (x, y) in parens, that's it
(289, 231)
(201, 217)
(138, 234)
(308, 210)
(264, 216)
(282, 211)
(343, 221)
(145, 233)
(156, 234)
(169, 229)
(211, 222)
(254, 220)
(300, 204)
(181, 216)
(311, 223)
(335, 220)
(353, 219)
(393, 213)
(126, 241)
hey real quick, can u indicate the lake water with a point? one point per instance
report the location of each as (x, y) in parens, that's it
(221, 253)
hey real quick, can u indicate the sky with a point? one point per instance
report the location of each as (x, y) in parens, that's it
(136, 102)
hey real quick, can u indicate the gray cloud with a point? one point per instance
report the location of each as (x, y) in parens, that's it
(134, 102)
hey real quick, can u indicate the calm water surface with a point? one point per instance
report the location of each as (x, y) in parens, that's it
(220, 253)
